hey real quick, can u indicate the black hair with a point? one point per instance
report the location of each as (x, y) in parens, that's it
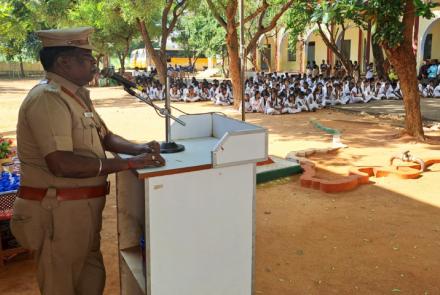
(48, 55)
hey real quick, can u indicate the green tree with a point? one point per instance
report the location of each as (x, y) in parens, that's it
(263, 14)
(156, 20)
(394, 22)
(199, 34)
(113, 34)
(17, 38)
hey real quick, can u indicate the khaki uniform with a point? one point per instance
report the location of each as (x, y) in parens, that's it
(58, 116)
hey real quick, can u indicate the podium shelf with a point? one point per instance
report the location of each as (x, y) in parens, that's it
(133, 259)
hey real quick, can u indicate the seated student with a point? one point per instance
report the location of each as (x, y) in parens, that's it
(312, 101)
(154, 92)
(338, 96)
(213, 92)
(204, 94)
(421, 86)
(289, 106)
(301, 101)
(346, 93)
(247, 104)
(257, 102)
(395, 90)
(270, 108)
(223, 97)
(389, 91)
(380, 90)
(437, 90)
(368, 91)
(190, 95)
(429, 90)
(175, 93)
(356, 94)
(328, 96)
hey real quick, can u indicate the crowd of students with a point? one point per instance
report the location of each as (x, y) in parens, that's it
(281, 93)
(429, 78)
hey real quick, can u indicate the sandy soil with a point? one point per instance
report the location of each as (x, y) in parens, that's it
(382, 238)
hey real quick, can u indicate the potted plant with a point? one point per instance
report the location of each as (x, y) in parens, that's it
(6, 150)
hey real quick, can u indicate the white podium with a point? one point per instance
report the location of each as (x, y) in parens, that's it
(196, 213)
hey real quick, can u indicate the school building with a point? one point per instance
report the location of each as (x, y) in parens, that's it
(356, 43)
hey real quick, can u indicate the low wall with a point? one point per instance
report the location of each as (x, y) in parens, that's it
(12, 69)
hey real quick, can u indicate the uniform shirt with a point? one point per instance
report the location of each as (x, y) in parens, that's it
(50, 120)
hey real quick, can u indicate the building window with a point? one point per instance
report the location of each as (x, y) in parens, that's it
(428, 47)
(291, 54)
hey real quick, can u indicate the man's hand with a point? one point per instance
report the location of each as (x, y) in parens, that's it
(145, 160)
(152, 147)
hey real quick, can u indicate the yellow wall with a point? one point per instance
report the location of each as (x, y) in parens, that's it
(183, 61)
(435, 52)
(320, 49)
(284, 64)
(15, 67)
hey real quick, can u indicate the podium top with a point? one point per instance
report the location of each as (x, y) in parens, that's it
(210, 141)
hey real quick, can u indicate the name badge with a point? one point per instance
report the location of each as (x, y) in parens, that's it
(88, 114)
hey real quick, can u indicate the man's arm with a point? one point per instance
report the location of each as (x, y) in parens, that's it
(117, 144)
(67, 164)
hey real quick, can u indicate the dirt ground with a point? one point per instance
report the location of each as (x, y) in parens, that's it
(381, 238)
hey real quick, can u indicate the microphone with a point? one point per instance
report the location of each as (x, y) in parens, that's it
(110, 73)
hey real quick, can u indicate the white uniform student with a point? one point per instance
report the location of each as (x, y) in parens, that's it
(223, 98)
(428, 91)
(301, 102)
(356, 94)
(381, 90)
(338, 96)
(247, 104)
(204, 94)
(175, 94)
(212, 93)
(312, 102)
(270, 109)
(368, 92)
(389, 91)
(257, 103)
(346, 95)
(155, 93)
(190, 95)
(437, 90)
(289, 106)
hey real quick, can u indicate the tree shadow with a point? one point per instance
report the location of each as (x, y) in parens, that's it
(370, 240)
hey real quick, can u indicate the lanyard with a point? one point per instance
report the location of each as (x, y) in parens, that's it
(76, 98)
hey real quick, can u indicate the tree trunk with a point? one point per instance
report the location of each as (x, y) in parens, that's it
(21, 67)
(225, 72)
(277, 68)
(158, 60)
(301, 51)
(379, 59)
(121, 58)
(234, 65)
(407, 73)
(337, 51)
(254, 59)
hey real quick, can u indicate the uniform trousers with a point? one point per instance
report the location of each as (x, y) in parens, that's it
(65, 236)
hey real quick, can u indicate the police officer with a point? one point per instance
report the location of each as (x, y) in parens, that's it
(61, 145)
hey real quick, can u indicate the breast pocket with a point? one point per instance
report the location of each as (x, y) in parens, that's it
(88, 130)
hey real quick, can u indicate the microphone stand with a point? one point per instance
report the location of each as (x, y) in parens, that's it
(168, 146)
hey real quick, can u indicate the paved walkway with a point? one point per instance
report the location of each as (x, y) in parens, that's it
(430, 108)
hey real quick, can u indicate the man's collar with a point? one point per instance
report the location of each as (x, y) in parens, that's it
(72, 87)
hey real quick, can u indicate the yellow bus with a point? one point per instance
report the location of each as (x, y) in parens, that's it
(141, 59)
